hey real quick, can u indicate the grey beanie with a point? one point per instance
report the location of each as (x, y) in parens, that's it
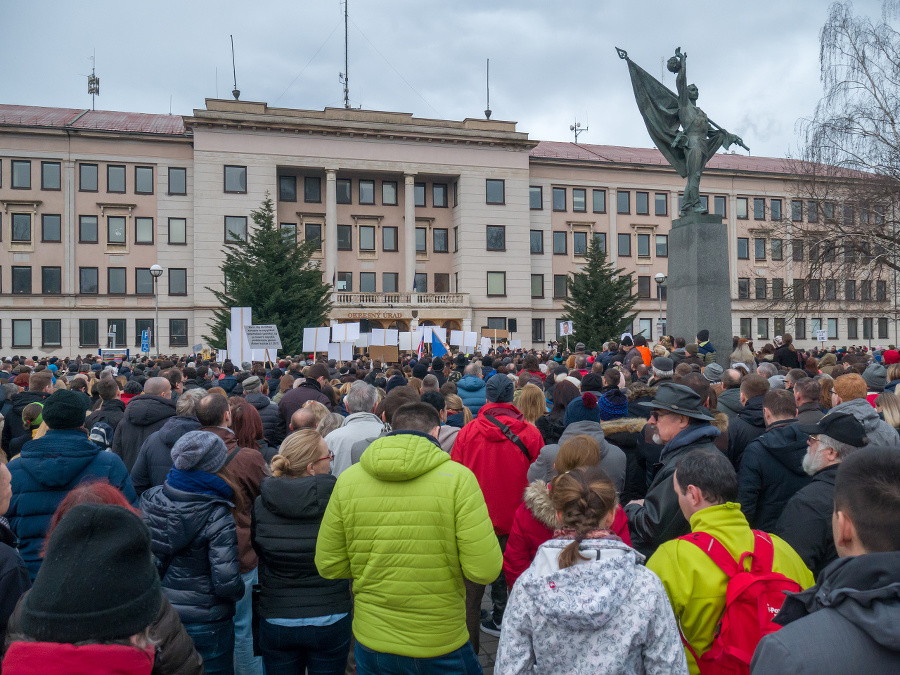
(713, 372)
(246, 365)
(252, 384)
(499, 389)
(199, 451)
(875, 376)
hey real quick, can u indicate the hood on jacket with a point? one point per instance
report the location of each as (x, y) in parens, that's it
(786, 443)
(623, 425)
(720, 421)
(303, 498)
(752, 413)
(470, 383)
(503, 412)
(257, 400)
(402, 455)
(639, 390)
(176, 427)
(862, 410)
(58, 457)
(572, 599)
(193, 511)
(23, 398)
(731, 399)
(537, 500)
(144, 410)
(586, 428)
(690, 435)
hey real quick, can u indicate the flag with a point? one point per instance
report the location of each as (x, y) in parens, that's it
(437, 347)
(421, 345)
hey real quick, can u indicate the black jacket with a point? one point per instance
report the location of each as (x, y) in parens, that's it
(627, 434)
(847, 623)
(13, 427)
(194, 539)
(805, 523)
(810, 413)
(786, 358)
(771, 472)
(14, 577)
(155, 457)
(285, 525)
(144, 414)
(194, 384)
(746, 425)
(274, 429)
(110, 412)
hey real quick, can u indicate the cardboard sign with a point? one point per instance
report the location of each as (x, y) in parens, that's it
(376, 337)
(338, 333)
(263, 337)
(404, 339)
(391, 337)
(316, 339)
(469, 341)
(456, 338)
(389, 354)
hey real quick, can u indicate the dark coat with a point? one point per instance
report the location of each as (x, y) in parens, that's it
(274, 429)
(847, 623)
(194, 384)
(746, 425)
(155, 458)
(143, 415)
(43, 475)
(14, 578)
(293, 399)
(771, 473)
(13, 427)
(729, 402)
(626, 433)
(551, 430)
(286, 520)
(786, 358)
(195, 543)
(228, 383)
(110, 412)
(805, 523)
(809, 413)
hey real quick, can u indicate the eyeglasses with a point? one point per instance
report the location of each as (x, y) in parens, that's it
(814, 438)
(329, 457)
(659, 414)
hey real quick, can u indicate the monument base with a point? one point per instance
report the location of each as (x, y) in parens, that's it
(699, 286)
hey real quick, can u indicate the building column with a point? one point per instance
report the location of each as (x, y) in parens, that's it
(409, 231)
(331, 228)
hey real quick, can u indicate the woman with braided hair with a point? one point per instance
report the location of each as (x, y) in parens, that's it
(587, 604)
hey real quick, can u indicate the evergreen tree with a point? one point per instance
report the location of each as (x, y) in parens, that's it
(275, 277)
(600, 300)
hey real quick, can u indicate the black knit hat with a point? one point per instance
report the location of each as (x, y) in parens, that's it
(97, 582)
(65, 409)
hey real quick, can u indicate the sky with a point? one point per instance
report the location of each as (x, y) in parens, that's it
(551, 62)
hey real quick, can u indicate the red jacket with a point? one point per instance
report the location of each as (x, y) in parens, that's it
(534, 523)
(499, 465)
(53, 658)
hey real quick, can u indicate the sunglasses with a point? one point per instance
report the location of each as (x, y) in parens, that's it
(659, 414)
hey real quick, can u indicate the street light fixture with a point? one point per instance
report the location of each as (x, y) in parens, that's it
(660, 279)
(156, 272)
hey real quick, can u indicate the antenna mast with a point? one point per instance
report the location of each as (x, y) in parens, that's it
(93, 81)
(577, 128)
(344, 77)
(487, 111)
(234, 92)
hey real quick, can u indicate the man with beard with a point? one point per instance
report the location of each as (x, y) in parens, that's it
(806, 521)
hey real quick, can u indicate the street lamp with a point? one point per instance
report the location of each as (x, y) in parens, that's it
(660, 280)
(156, 272)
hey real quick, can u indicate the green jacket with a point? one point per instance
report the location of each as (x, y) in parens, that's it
(407, 524)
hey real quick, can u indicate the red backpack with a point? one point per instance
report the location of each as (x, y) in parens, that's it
(752, 600)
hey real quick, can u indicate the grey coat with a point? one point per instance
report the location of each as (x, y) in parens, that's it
(612, 459)
(878, 431)
(729, 402)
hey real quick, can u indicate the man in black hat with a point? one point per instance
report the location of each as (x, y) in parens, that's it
(683, 424)
(805, 522)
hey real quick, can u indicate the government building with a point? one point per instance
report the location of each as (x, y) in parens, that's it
(469, 225)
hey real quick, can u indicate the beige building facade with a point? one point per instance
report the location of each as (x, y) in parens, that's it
(463, 224)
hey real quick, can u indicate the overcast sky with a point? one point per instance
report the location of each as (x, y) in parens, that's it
(756, 63)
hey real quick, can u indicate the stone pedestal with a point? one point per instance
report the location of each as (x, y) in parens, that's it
(699, 286)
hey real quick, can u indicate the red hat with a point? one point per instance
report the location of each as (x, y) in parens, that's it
(891, 356)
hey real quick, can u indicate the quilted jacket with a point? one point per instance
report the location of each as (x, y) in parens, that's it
(407, 524)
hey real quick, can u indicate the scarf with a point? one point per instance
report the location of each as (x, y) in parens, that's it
(199, 482)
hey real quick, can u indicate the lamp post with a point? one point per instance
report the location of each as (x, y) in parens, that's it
(660, 280)
(156, 272)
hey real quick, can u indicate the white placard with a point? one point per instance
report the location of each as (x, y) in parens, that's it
(315, 339)
(352, 331)
(237, 344)
(334, 351)
(515, 344)
(362, 341)
(566, 328)
(222, 355)
(338, 332)
(821, 336)
(405, 341)
(391, 337)
(485, 345)
(456, 338)
(469, 342)
(263, 337)
(346, 351)
(260, 355)
(376, 337)
(440, 332)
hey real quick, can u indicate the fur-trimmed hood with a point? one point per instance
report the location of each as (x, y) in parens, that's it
(720, 421)
(623, 425)
(638, 390)
(537, 500)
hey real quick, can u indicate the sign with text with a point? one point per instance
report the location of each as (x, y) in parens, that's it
(145, 341)
(566, 328)
(263, 337)
(821, 336)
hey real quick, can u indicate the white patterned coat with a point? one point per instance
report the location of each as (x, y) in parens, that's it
(608, 615)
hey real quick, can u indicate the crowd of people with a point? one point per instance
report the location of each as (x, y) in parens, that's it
(635, 508)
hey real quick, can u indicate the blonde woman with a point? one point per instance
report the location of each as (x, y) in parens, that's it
(458, 415)
(305, 619)
(888, 404)
(317, 409)
(532, 403)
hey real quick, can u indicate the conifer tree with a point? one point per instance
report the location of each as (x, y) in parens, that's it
(273, 275)
(600, 300)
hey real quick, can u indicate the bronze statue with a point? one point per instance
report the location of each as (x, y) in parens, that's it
(681, 131)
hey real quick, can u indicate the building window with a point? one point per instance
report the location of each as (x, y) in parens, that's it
(343, 191)
(643, 245)
(441, 282)
(661, 204)
(51, 227)
(812, 212)
(848, 215)
(867, 329)
(775, 209)
(143, 230)
(51, 280)
(814, 287)
(419, 194)
(143, 180)
(560, 285)
(21, 174)
(51, 333)
(852, 329)
(345, 237)
(850, 290)
(624, 244)
(779, 326)
(177, 180)
(776, 247)
(178, 329)
(367, 282)
(799, 329)
(116, 281)
(643, 287)
(496, 323)
(746, 328)
(51, 178)
(796, 210)
(421, 240)
(312, 189)
(778, 291)
(719, 206)
(390, 282)
(388, 239)
(115, 178)
(236, 179)
(87, 229)
(420, 282)
(537, 241)
(662, 245)
(579, 243)
(287, 188)
(759, 208)
(537, 285)
(881, 291)
(21, 227)
(89, 332)
(830, 289)
(759, 249)
(799, 289)
(600, 240)
(599, 201)
(177, 231)
(495, 191)
(762, 329)
(743, 288)
(235, 229)
(815, 327)
(642, 203)
(143, 281)
(760, 289)
(828, 211)
(313, 233)
(141, 325)
(882, 328)
(21, 280)
(496, 283)
(496, 238)
(88, 280)
(288, 233)
(439, 195)
(559, 199)
(440, 239)
(579, 200)
(367, 237)
(345, 281)
(21, 332)
(797, 250)
(743, 248)
(537, 330)
(866, 288)
(535, 197)
(115, 230)
(833, 329)
(623, 201)
(741, 208)
(560, 244)
(389, 193)
(177, 281)
(366, 192)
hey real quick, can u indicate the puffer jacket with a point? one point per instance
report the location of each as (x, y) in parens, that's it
(612, 459)
(407, 524)
(608, 614)
(286, 520)
(12, 424)
(195, 543)
(43, 475)
(155, 458)
(878, 431)
(627, 433)
(471, 390)
(771, 473)
(746, 425)
(274, 428)
(143, 415)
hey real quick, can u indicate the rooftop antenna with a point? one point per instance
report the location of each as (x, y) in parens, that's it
(234, 92)
(577, 128)
(93, 81)
(344, 77)
(487, 111)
